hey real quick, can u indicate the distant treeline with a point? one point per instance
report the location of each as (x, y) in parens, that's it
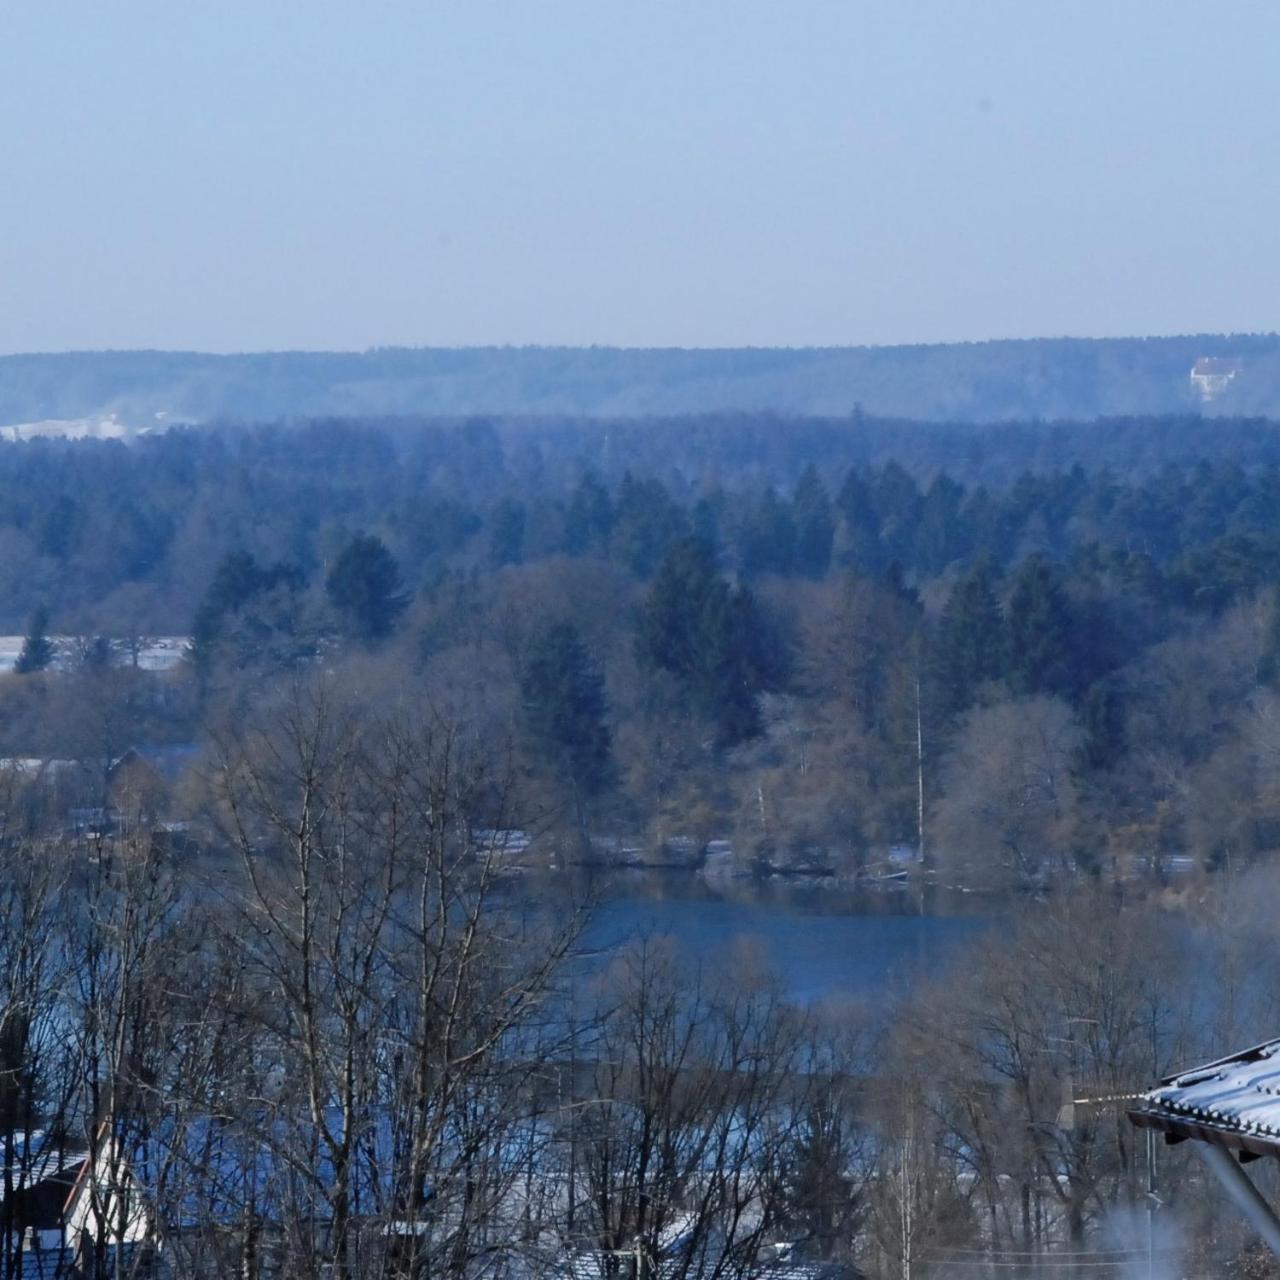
(975, 382)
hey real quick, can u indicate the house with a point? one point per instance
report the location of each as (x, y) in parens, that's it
(140, 782)
(1212, 375)
(231, 1190)
(1229, 1110)
(39, 1169)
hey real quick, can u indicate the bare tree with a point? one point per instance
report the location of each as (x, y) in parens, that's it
(691, 1116)
(403, 997)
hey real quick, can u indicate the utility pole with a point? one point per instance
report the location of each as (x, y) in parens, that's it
(1151, 1204)
(920, 778)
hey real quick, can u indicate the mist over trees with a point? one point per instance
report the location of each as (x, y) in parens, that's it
(970, 382)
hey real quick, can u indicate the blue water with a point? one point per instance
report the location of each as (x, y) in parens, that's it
(823, 944)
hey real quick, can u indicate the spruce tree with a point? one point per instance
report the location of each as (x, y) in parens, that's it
(767, 537)
(897, 502)
(1040, 630)
(37, 649)
(814, 525)
(712, 638)
(1104, 731)
(565, 709)
(589, 519)
(646, 523)
(861, 546)
(939, 537)
(970, 639)
(364, 584)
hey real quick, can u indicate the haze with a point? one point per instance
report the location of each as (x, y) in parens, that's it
(247, 176)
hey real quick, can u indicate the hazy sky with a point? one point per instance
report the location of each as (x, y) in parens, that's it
(249, 174)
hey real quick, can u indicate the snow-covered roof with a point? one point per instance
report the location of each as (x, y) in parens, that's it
(38, 1155)
(1233, 1102)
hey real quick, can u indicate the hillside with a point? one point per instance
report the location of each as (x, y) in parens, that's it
(1002, 380)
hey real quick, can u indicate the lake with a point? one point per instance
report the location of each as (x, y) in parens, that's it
(825, 942)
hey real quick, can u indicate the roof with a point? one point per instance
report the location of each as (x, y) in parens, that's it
(208, 1168)
(40, 1154)
(169, 762)
(1233, 1102)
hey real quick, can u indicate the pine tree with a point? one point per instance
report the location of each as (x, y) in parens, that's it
(814, 525)
(767, 537)
(939, 537)
(589, 519)
(240, 585)
(713, 639)
(1104, 734)
(647, 522)
(365, 585)
(860, 537)
(566, 711)
(235, 580)
(970, 640)
(37, 649)
(1040, 631)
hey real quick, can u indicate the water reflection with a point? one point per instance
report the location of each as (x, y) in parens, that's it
(825, 940)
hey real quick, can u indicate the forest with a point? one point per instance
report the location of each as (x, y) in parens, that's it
(770, 634)
(1051, 378)
(281, 994)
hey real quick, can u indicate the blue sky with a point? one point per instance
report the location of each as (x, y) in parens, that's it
(313, 174)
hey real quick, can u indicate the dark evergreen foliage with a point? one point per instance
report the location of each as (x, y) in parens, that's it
(588, 521)
(365, 585)
(712, 638)
(971, 638)
(814, 525)
(565, 709)
(37, 649)
(646, 524)
(1041, 631)
(238, 582)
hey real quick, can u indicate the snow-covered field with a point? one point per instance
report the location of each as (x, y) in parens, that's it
(159, 653)
(108, 427)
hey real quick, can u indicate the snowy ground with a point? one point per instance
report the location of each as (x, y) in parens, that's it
(159, 653)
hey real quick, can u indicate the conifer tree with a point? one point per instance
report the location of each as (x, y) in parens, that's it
(767, 537)
(860, 539)
(365, 585)
(589, 519)
(1103, 717)
(970, 641)
(37, 649)
(646, 523)
(1040, 630)
(713, 639)
(566, 711)
(940, 535)
(814, 525)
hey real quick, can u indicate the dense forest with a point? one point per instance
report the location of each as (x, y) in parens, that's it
(291, 930)
(1042, 648)
(974, 382)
